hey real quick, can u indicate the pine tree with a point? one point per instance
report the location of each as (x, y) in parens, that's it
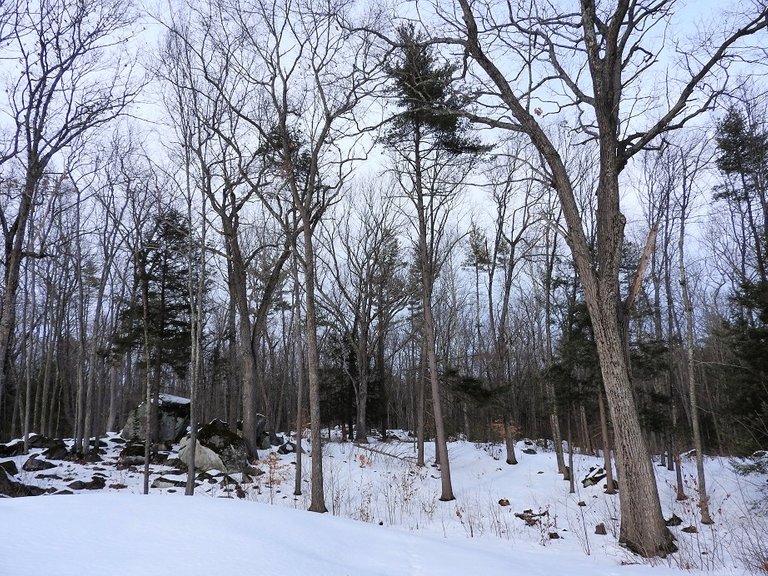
(429, 138)
(742, 156)
(160, 269)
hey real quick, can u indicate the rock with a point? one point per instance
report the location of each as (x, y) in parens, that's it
(48, 477)
(529, 451)
(600, 529)
(276, 440)
(582, 503)
(13, 449)
(132, 454)
(12, 488)
(287, 448)
(178, 463)
(207, 477)
(205, 458)
(57, 451)
(163, 482)
(96, 483)
(10, 467)
(675, 520)
(92, 456)
(263, 437)
(34, 464)
(38, 441)
(554, 536)
(503, 502)
(229, 446)
(690, 529)
(173, 412)
(593, 477)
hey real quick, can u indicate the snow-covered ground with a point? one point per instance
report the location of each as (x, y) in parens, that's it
(385, 519)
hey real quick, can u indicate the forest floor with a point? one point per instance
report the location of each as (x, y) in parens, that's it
(385, 519)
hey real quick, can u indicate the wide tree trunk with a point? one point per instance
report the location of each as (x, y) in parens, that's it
(642, 524)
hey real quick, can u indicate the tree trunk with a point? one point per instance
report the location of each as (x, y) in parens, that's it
(610, 488)
(509, 440)
(361, 433)
(680, 487)
(690, 369)
(317, 497)
(426, 264)
(642, 527)
(571, 471)
(14, 243)
(421, 379)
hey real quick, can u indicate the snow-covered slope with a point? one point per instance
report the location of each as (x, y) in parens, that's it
(390, 520)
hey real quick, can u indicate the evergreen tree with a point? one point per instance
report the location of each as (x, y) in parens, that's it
(160, 268)
(430, 140)
(742, 155)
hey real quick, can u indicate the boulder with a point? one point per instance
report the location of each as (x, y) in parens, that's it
(10, 467)
(12, 449)
(9, 487)
(173, 413)
(34, 464)
(39, 441)
(205, 458)
(287, 448)
(132, 454)
(593, 477)
(229, 446)
(57, 451)
(163, 482)
(96, 483)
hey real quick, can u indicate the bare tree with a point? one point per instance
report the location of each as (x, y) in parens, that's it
(692, 160)
(204, 65)
(515, 200)
(598, 55)
(273, 69)
(364, 272)
(314, 170)
(72, 78)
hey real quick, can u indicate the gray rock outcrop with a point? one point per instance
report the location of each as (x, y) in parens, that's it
(227, 445)
(173, 413)
(205, 458)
